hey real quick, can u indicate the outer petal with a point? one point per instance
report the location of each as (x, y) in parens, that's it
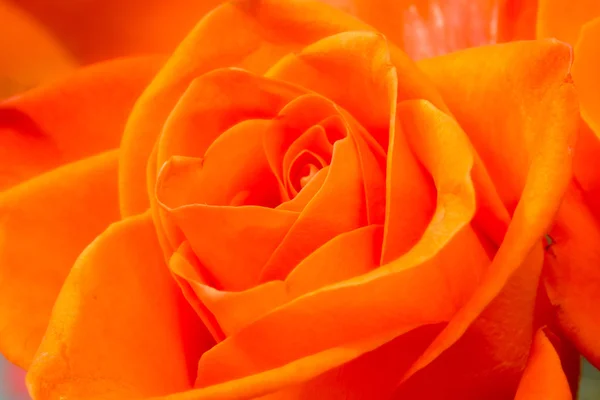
(492, 351)
(544, 377)
(533, 178)
(528, 78)
(44, 225)
(32, 59)
(120, 328)
(585, 72)
(96, 30)
(70, 119)
(562, 19)
(573, 274)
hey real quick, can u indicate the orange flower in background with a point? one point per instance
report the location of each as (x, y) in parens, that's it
(289, 207)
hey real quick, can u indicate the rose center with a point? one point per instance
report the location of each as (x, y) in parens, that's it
(303, 169)
(309, 172)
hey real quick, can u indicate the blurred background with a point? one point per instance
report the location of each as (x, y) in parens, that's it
(12, 382)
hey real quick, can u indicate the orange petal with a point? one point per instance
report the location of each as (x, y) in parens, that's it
(528, 78)
(358, 251)
(237, 158)
(96, 30)
(573, 274)
(120, 327)
(69, 119)
(294, 120)
(45, 224)
(539, 200)
(543, 377)
(309, 191)
(563, 20)
(410, 196)
(518, 20)
(361, 60)
(338, 207)
(587, 149)
(36, 57)
(492, 351)
(187, 269)
(293, 373)
(217, 101)
(254, 232)
(311, 145)
(373, 375)
(427, 28)
(585, 72)
(284, 27)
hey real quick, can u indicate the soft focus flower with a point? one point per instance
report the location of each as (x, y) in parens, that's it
(288, 206)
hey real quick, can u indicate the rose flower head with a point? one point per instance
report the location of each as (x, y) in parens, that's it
(289, 207)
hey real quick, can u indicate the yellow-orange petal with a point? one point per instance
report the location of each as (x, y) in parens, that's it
(585, 72)
(97, 30)
(44, 224)
(529, 78)
(73, 118)
(563, 20)
(543, 377)
(573, 273)
(32, 57)
(251, 35)
(120, 327)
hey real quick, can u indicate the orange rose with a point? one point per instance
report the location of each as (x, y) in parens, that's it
(302, 212)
